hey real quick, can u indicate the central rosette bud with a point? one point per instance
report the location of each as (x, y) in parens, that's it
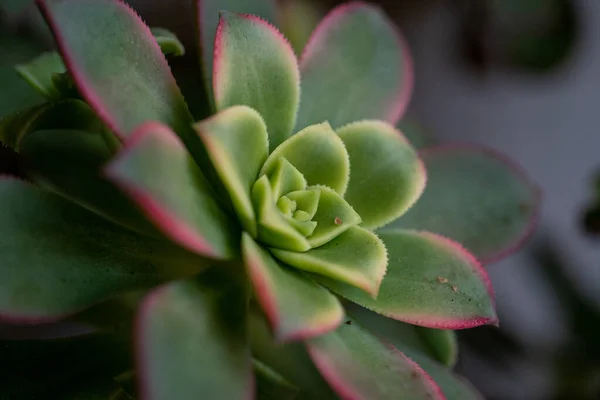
(292, 215)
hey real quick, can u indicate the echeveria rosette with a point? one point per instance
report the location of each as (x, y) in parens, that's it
(276, 201)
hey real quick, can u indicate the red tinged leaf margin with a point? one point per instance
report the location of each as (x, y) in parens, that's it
(296, 307)
(116, 64)
(156, 171)
(336, 43)
(359, 366)
(192, 339)
(255, 66)
(477, 197)
(431, 281)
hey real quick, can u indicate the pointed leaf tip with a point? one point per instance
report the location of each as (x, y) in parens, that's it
(297, 307)
(156, 171)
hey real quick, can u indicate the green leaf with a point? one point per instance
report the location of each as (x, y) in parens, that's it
(255, 66)
(236, 141)
(68, 114)
(407, 339)
(333, 217)
(356, 257)
(70, 163)
(273, 228)
(297, 307)
(387, 176)
(476, 197)
(453, 386)
(15, 126)
(270, 385)
(156, 171)
(192, 339)
(17, 95)
(38, 73)
(290, 360)
(208, 20)
(58, 258)
(430, 281)
(168, 42)
(285, 178)
(442, 343)
(318, 153)
(117, 65)
(359, 366)
(355, 66)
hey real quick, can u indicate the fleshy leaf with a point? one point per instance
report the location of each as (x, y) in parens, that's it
(236, 141)
(255, 66)
(297, 307)
(387, 176)
(355, 66)
(333, 217)
(453, 386)
(273, 229)
(476, 197)
(359, 366)
(306, 200)
(116, 64)
(290, 360)
(69, 114)
(192, 340)
(168, 42)
(38, 73)
(15, 126)
(431, 281)
(270, 385)
(318, 153)
(208, 20)
(442, 343)
(58, 258)
(405, 338)
(285, 178)
(156, 171)
(69, 163)
(356, 257)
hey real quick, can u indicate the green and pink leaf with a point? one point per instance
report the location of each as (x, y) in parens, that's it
(156, 171)
(431, 281)
(477, 197)
(359, 366)
(297, 307)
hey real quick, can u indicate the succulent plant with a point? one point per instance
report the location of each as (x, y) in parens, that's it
(243, 239)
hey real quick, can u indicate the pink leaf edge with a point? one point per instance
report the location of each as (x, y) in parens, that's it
(398, 107)
(264, 289)
(150, 302)
(519, 171)
(218, 57)
(339, 385)
(86, 90)
(449, 323)
(171, 225)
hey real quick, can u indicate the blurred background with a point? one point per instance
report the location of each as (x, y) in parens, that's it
(520, 76)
